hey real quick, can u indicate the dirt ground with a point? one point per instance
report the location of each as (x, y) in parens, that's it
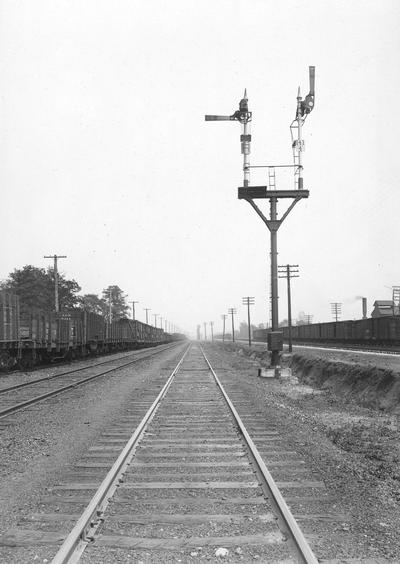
(355, 448)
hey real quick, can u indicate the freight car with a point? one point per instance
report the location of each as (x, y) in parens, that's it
(372, 332)
(32, 336)
(381, 332)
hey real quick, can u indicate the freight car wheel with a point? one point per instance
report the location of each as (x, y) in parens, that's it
(6, 361)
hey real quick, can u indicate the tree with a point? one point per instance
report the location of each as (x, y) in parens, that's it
(93, 304)
(35, 288)
(119, 307)
(67, 290)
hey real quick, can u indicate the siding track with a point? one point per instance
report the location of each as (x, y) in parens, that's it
(188, 481)
(20, 396)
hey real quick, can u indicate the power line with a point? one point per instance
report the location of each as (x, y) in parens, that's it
(336, 309)
(289, 271)
(232, 312)
(248, 301)
(147, 309)
(56, 300)
(223, 317)
(133, 308)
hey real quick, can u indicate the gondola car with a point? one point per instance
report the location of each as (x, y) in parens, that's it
(30, 336)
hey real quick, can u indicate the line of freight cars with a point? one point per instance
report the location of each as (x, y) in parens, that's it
(29, 337)
(379, 332)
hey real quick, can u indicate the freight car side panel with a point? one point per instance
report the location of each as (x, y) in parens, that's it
(344, 330)
(95, 328)
(72, 330)
(387, 329)
(9, 316)
(38, 327)
(363, 330)
(328, 331)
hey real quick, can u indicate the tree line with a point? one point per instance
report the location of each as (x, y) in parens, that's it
(35, 288)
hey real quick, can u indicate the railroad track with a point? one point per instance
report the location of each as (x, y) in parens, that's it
(20, 396)
(339, 348)
(331, 347)
(189, 481)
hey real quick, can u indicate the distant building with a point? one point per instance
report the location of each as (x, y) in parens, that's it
(385, 308)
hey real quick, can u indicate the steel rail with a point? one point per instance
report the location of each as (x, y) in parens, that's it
(330, 347)
(37, 399)
(341, 348)
(80, 536)
(109, 361)
(290, 522)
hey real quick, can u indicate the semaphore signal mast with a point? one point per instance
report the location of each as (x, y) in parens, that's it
(270, 192)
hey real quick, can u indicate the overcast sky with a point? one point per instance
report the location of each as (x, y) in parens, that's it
(106, 157)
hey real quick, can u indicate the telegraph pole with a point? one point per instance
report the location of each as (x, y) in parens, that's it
(212, 331)
(250, 194)
(248, 301)
(55, 258)
(155, 315)
(232, 312)
(110, 305)
(289, 271)
(336, 309)
(133, 308)
(309, 319)
(205, 330)
(223, 317)
(161, 320)
(147, 309)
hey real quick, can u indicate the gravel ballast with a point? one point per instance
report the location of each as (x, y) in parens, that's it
(351, 450)
(39, 444)
(354, 449)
